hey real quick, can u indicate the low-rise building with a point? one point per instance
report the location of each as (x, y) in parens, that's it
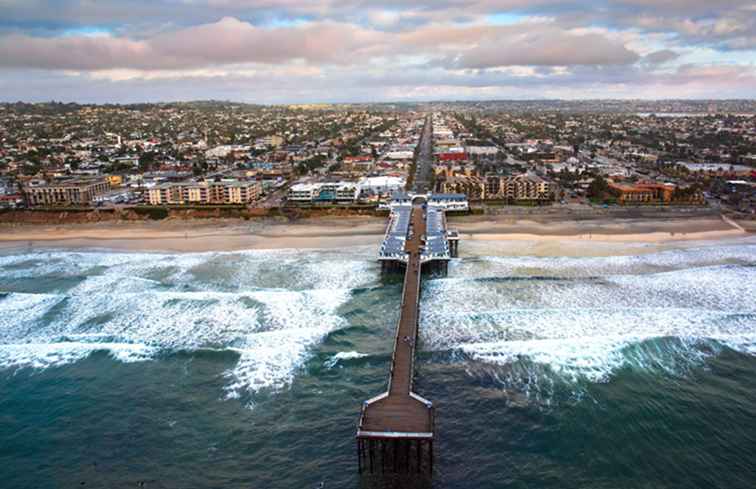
(655, 193)
(380, 186)
(115, 180)
(216, 192)
(302, 192)
(323, 192)
(7, 186)
(641, 194)
(74, 192)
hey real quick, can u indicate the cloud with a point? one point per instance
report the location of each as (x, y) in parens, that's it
(546, 46)
(231, 41)
(358, 50)
(660, 57)
(227, 41)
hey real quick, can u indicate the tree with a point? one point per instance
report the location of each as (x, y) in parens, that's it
(598, 188)
(146, 161)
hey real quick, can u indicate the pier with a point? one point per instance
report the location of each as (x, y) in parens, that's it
(399, 422)
(396, 429)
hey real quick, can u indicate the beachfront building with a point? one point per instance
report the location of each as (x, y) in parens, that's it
(517, 188)
(641, 194)
(202, 193)
(655, 193)
(73, 192)
(523, 187)
(471, 186)
(450, 202)
(302, 192)
(323, 192)
(380, 186)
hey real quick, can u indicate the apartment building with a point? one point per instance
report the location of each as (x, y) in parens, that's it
(222, 192)
(518, 187)
(74, 192)
(472, 187)
(511, 188)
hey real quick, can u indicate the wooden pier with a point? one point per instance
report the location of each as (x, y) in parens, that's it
(396, 429)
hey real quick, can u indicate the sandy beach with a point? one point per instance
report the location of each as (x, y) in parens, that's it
(539, 236)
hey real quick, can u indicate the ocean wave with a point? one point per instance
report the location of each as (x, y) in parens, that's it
(137, 305)
(542, 334)
(45, 355)
(548, 372)
(342, 356)
(668, 260)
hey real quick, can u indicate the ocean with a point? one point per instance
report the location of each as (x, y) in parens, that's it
(247, 369)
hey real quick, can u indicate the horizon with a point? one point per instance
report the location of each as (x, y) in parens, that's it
(310, 52)
(385, 102)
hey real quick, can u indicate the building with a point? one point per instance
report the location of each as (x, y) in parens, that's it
(11, 201)
(480, 150)
(272, 141)
(380, 186)
(450, 202)
(641, 194)
(224, 151)
(358, 163)
(449, 156)
(655, 193)
(115, 180)
(7, 187)
(202, 193)
(75, 192)
(523, 187)
(400, 155)
(308, 193)
(302, 192)
(472, 187)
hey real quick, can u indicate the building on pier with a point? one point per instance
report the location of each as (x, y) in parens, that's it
(438, 244)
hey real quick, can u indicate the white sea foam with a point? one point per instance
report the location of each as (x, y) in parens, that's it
(138, 304)
(605, 265)
(44, 355)
(23, 311)
(578, 325)
(343, 355)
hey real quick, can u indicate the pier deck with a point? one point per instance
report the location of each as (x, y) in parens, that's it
(396, 428)
(399, 413)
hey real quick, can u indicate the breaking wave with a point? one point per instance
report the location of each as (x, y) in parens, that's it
(343, 356)
(533, 324)
(271, 308)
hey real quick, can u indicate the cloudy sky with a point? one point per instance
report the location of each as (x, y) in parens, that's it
(293, 51)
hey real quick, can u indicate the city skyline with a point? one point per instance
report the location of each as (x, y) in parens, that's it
(268, 52)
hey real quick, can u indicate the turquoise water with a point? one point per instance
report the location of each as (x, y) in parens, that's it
(248, 369)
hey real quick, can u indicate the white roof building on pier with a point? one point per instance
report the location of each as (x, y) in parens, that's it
(392, 247)
(436, 239)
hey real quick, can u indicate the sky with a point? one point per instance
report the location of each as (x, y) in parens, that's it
(321, 51)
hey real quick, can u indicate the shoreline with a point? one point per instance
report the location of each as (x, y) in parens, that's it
(332, 233)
